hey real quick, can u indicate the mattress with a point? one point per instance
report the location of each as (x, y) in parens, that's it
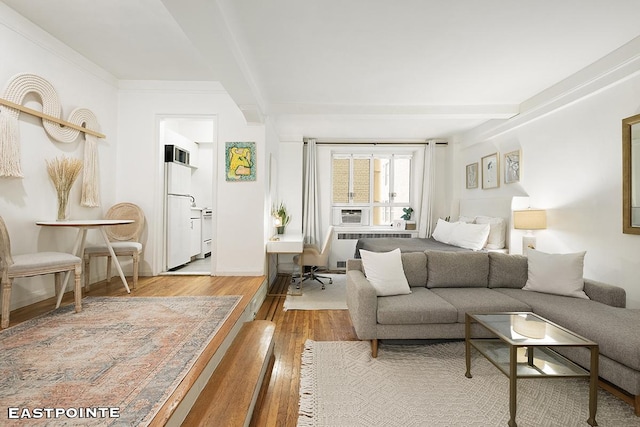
(386, 244)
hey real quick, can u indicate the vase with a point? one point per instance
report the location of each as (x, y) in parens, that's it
(280, 229)
(63, 205)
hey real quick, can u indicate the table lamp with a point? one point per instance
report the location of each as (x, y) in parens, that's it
(530, 219)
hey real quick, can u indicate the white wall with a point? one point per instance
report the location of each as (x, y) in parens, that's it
(571, 166)
(27, 49)
(238, 206)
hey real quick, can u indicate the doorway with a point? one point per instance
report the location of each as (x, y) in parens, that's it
(188, 231)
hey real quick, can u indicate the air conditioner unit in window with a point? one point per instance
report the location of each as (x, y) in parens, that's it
(350, 216)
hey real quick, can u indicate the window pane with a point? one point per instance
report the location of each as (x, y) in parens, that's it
(381, 188)
(340, 180)
(401, 180)
(381, 215)
(384, 215)
(361, 176)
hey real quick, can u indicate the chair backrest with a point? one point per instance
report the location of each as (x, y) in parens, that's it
(5, 247)
(125, 232)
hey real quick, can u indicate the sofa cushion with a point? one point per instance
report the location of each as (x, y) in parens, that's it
(614, 329)
(479, 300)
(421, 306)
(507, 271)
(559, 274)
(457, 269)
(385, 273)
(415, 268)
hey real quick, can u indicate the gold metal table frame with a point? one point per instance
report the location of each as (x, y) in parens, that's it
(523, 348)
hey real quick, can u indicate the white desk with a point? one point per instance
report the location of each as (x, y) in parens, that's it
(78, 248)
(286, 244)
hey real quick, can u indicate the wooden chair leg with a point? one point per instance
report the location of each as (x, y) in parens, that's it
(136, 260)
(87, 272)
(374, 348)
(58, 279)
(6, 302)
(109, 269)
(77, 291)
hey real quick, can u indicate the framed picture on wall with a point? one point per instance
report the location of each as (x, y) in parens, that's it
(240, 159)
(512, 167)
(490, 171)
(472, 175)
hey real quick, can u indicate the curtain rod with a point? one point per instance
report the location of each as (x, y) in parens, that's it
(375, 143)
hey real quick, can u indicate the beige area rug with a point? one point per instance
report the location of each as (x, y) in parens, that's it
(313, 297)
(114, 363)
(411, 385)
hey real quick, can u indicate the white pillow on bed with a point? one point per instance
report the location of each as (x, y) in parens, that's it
(497, 238)
(470, 236)
(443, 230)
(385, 272)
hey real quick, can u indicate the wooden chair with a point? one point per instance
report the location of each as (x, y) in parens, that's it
(35, 264)
(125, 240)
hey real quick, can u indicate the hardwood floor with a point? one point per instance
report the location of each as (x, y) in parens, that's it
(279, 403)
(293, 328)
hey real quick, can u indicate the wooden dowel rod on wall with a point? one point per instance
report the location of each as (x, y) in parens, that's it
(50, 118)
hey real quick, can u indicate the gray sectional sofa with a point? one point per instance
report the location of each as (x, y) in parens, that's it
(446, 285)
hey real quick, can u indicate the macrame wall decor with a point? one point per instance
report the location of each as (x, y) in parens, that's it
(79, 121)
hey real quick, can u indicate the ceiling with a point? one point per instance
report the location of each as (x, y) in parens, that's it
(349, 69)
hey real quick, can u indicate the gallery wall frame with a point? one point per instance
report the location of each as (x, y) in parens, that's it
(240, 161)
(512, 164)
(472, 175)
(490, 165)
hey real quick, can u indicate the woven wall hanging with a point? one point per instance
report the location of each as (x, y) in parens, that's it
(80, 120)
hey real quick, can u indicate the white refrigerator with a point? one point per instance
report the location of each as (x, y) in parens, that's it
(178, 184)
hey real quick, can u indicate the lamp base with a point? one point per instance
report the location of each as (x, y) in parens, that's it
(528, 242)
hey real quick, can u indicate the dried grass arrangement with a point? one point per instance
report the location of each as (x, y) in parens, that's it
(63, 173)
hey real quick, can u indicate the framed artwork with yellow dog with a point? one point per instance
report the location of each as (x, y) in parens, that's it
(240, 161)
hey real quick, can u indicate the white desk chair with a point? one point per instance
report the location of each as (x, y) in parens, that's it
(35, 264)
(125, 240)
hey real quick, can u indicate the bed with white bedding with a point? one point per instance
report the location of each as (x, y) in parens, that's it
(483, 224)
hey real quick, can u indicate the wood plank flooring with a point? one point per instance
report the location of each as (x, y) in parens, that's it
(279, 403)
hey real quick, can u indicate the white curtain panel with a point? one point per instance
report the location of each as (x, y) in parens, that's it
(428, 190)
(310, 216)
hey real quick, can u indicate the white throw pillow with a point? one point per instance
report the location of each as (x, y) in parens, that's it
(467, 219)
(385, 272)
(496, 239)
(470, 236)
(443, 230)
(558, 274)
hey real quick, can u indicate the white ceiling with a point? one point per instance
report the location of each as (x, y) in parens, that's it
(349, 69)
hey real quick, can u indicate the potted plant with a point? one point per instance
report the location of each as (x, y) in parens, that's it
(410, 225)
(281, 217)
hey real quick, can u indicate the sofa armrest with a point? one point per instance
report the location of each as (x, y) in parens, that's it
(362, 303)
(354, 264)
(614, 296)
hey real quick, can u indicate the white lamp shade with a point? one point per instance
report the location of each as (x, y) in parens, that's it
(530, 219)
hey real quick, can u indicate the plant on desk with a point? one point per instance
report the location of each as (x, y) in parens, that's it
(281, 217)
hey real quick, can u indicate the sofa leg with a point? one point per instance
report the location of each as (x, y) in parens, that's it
(637, 405)
(374, 348)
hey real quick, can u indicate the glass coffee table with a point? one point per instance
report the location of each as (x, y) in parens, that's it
(523, 348)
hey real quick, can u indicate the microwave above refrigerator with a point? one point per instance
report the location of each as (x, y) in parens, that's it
(175, 154)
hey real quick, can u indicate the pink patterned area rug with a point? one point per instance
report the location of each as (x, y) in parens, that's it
(114, 363)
